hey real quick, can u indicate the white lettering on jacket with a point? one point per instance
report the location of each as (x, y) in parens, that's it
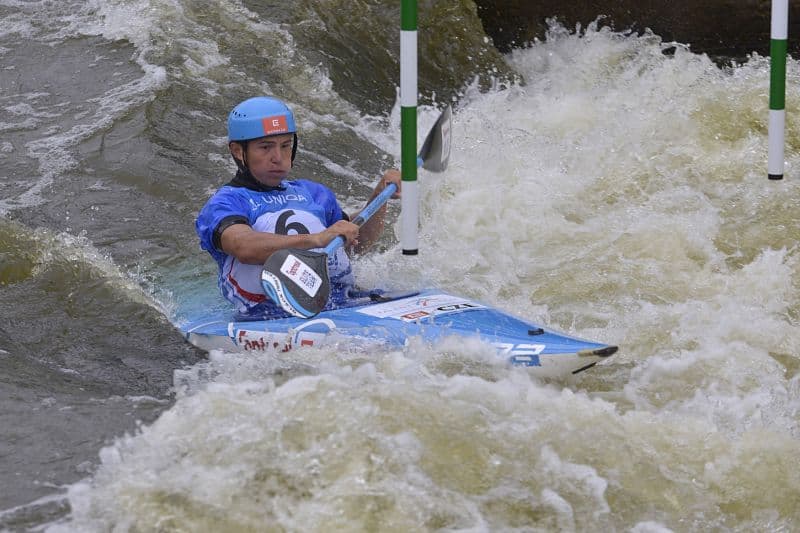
(283, 198)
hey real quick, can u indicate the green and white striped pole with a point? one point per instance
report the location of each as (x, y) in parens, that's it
(777, 87)
(409, 202)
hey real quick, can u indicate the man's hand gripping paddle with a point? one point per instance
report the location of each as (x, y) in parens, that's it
(298, 281)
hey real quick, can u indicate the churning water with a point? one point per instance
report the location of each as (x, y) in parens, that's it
(608, 185)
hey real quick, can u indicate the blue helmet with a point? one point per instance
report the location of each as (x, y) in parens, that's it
(260, 116)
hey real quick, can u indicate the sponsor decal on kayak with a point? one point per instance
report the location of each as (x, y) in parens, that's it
(520, 354)
(261, 341)
(309, 333)
(416, 315)
(419, 307)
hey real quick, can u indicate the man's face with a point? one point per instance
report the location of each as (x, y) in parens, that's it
(268, 158)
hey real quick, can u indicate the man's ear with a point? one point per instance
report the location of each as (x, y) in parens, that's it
(237, 150)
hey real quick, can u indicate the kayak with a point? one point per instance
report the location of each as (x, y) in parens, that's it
(390, 321)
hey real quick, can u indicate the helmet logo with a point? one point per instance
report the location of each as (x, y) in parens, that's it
(274, 125)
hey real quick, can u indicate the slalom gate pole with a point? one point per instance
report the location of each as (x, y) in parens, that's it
(777, 87)
(409, 201)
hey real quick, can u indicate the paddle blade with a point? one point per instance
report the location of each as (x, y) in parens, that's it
(298, 281)
(435, 151)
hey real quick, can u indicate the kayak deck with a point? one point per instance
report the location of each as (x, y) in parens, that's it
(429, 314)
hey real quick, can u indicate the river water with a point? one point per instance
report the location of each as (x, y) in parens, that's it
(608, 185)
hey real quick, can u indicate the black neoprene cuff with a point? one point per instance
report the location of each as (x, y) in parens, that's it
(224, 224)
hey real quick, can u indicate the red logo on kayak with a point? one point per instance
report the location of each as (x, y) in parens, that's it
(415, 315)
(274, 125)
(294, 268)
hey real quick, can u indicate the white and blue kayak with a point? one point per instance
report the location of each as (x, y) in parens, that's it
(390, 321)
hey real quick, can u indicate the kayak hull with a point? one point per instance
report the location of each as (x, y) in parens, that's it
(390, 322)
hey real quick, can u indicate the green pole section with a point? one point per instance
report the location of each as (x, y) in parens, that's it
(777, 75)
(408, 143)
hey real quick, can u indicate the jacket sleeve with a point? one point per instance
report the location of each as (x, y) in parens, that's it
(220, 212)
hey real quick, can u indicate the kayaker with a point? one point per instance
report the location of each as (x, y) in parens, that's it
(260, 210)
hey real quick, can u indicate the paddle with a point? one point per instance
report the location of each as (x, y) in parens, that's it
(298, 281)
